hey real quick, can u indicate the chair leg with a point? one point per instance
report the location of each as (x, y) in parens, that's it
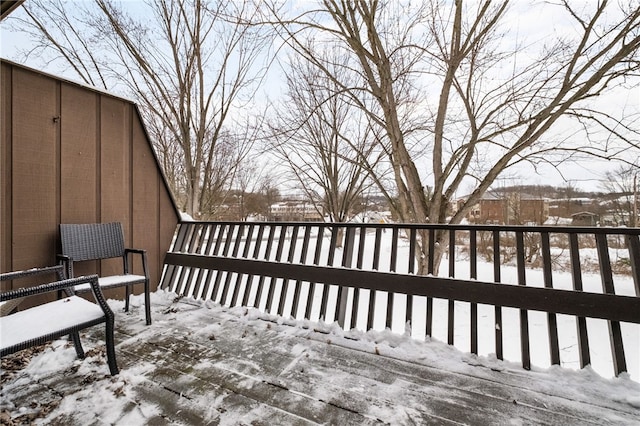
(147, 302)
(110, 343)
(126, 298)
(78, 345)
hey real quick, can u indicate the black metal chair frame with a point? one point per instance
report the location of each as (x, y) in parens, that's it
(60, 307)
(97, 241)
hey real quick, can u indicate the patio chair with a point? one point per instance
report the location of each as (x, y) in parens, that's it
(97, 241)
(40, 324)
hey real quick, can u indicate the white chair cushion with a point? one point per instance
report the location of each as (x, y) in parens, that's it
(112, 281)
(47, 318)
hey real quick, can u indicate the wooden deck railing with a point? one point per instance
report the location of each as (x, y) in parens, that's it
(357, 274)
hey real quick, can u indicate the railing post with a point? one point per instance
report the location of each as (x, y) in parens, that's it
(552, 323)
(411, 269)
(234, 253)
(524, 315)
(392, 267)
(430, 269)
(347, 255)
(293, 241)
(256, 253)
(325, 286)
(303, 260)
(497, 278)
(581, 322)
(245, 254)
(473, 273)
(633, 245)
(617, 348)
(356, 290)
(316, 261)
(267, 254)
(452, 274)
(273, 280)
(168, 278)
(186, 246)
(193, 281)
(375, 265)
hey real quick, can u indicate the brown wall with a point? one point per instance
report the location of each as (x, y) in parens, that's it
(71, 154)
(493, 211)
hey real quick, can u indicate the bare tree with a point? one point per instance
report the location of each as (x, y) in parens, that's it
(489, 100)
(327, 144)
(189, 63)
(622, 184)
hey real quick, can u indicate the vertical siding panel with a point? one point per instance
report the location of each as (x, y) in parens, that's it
(115, 185)
(58, 149)
(165, 232)
(34, 169)
(145, 191)
(78, 155)
(6, 142)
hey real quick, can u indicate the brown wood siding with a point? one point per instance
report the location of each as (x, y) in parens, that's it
(5, 173)
(78, 157)
(34, 169)
(71, 154)
(145, 196)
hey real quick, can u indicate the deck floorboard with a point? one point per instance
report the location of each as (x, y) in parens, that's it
(227, 369)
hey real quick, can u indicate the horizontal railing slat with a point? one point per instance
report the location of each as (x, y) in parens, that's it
(592, 305)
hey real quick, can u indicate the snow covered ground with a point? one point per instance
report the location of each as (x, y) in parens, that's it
(85, 394)
(598, 330)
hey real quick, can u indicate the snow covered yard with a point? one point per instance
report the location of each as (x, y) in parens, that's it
(200, 363)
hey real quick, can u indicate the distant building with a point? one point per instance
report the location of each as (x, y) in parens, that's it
(510, 209)
(585, 219)
(295, 211)
(566, 207)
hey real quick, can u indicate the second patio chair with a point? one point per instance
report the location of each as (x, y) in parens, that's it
(98, 241)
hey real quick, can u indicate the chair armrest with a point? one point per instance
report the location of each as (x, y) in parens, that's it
(46, 288)
(8, 276)
(133, 250)
(62, 285)
(143, 255)
(67, 263)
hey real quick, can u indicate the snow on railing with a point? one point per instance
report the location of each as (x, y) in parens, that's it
(520, 293)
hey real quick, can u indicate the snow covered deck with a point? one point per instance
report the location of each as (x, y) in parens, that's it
(200, 363)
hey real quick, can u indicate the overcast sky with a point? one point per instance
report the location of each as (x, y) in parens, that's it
(585, 175)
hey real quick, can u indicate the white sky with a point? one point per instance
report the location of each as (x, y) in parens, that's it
(585, 175)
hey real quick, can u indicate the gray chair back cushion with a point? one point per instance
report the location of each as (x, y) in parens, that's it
(92, 241)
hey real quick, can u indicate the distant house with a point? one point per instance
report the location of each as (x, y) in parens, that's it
(585, 219)
(566, 207)
(294, 211)
(510, 209)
